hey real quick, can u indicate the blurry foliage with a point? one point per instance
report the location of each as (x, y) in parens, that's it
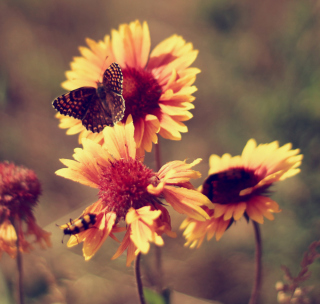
(292, 291)
(224, 16)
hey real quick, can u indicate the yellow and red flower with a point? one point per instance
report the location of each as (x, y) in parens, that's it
(157, 86)
(130, 191)
(19, 192)
(238, 186)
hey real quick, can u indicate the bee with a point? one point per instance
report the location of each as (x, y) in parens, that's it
(80, 224)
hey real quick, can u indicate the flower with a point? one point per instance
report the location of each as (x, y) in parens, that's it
(19, 192)
(130, 191)
(238, 186)
(157, 86)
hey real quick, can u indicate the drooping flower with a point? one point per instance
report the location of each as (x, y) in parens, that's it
(19, 192)
(157, 86)
(130, 191)
(238, 186)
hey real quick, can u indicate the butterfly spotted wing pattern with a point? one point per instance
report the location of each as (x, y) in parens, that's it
(113, 79)
(97, 117)
(75, 103)
(96, 107)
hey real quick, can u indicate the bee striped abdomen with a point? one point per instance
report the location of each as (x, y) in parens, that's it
(81, 224)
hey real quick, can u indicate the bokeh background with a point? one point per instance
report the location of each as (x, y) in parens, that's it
(260, 78)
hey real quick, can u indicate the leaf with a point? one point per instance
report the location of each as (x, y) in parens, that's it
(154, 298)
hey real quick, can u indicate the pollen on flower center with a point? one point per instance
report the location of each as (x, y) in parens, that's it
(141, 92)
(124, 183)
(224, 187)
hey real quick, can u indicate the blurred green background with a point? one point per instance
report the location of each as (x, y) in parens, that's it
(260, 78)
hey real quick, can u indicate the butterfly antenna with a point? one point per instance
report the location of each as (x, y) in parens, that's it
(103, 69)
(101, 72)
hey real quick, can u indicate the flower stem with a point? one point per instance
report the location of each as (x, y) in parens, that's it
(157, 155)
(258, 257)
(158, 250)
(158, 253)
(19, 263)
(138, 279)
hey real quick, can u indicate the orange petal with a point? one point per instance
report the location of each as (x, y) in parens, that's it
(151, 127)
(96, 237)
(187, 201)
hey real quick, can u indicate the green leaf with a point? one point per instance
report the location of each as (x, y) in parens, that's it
(154, 298)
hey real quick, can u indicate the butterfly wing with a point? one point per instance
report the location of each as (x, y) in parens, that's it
(97, 117)
(95, 107)
(112, 78)
(116, 105)
(76, 102)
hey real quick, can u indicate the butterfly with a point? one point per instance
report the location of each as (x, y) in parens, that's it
(96, 107)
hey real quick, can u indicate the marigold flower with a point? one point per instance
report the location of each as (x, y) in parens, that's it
(157, 86)
(238, 186)
(19, 192)
(130, 191)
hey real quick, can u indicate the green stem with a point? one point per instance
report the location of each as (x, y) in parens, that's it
(258, 271)
(138, 279)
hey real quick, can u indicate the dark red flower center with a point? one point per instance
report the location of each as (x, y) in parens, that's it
(141, 92)
(225, 187)
(123, 185)
(19, 190)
